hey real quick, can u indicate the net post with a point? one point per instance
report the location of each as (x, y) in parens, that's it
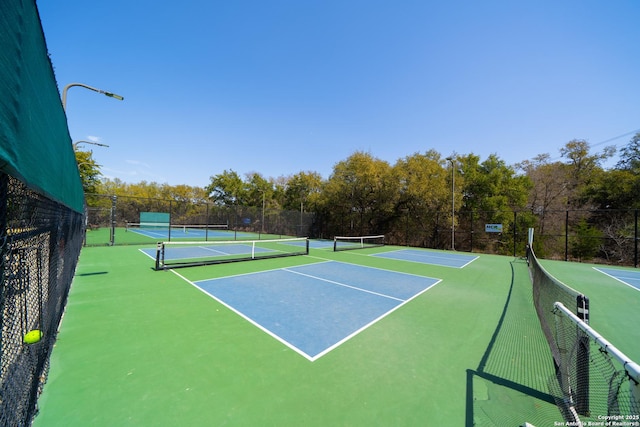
(307, 246)
(335, 244)
(159, 253)
(582, 358)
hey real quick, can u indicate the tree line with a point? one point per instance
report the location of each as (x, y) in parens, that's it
(423, 195)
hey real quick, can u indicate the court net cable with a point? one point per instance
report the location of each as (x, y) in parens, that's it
(190, 254)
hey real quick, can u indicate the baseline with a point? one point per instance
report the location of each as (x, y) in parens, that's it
(428, 257)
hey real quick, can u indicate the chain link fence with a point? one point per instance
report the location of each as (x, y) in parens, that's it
(108, 216)
(599, 236)
(40, 241)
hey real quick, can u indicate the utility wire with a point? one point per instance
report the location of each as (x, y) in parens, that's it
(633, 132)
(617, 137)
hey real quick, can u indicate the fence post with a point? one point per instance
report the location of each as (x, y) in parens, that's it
(566, 236)
(112, 231)
(206, 222)
(635, 239)
(514, 232)
(471, 230)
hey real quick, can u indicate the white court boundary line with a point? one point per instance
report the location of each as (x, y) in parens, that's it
(322, 279)
(338, 343)
(248, 319)
(617, 278)
(428, 254)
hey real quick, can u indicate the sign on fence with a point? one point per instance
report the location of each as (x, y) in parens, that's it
(493, 228)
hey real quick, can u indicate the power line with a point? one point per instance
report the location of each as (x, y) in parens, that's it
(617, 137)
(633, 132)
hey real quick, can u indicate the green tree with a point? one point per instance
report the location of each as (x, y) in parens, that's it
(616, 193)
(583, 168)
(630, 155)
(227, 189)
(424, 190)
(619, 188)
(89, 171)
(279, 188)
(302, 191)
(492, 191)
(492, 185)
(258, 190)
(615, 189)
(586, 241)
(360, 196)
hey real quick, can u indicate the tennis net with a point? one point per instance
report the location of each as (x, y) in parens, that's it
(156, 226)
(613, 379)
(342, 243)
(190, 254)
(590, 373)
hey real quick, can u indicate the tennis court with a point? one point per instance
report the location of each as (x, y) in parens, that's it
(283, 302)
(348, 338)
(429, 257)
(205, 250)
(235, 248)
(194, 232)
(628, 277)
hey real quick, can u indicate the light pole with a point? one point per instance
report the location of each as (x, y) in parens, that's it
(75, 144)
(104, 92)
(453, 203)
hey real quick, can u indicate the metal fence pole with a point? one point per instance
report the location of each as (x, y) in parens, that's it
(514, 232)
(566, 236)
(112, 231)
(635, 239)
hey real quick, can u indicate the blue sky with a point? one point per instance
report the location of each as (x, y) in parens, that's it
(283, 86)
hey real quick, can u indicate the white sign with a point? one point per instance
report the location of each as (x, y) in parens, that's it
(493, 228)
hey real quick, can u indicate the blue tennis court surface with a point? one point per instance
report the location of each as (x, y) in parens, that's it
(207, 250)
(429, 257)
(240, 247)
(314, 308)
(630, 278)
(182, 233)
(315, 244)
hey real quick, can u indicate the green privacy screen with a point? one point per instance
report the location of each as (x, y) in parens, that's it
(160, 218)
(35, 145)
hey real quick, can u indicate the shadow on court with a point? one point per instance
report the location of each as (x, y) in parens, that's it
(515, 367)
(97, 273)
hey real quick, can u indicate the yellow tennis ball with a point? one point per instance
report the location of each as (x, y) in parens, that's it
(32, 337)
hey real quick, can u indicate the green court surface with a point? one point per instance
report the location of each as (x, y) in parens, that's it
(614, 308)
(102, 236)
(139, 347)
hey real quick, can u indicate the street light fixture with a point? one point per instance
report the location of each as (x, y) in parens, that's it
(453, 203)
(104, 92)
(75, 144)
